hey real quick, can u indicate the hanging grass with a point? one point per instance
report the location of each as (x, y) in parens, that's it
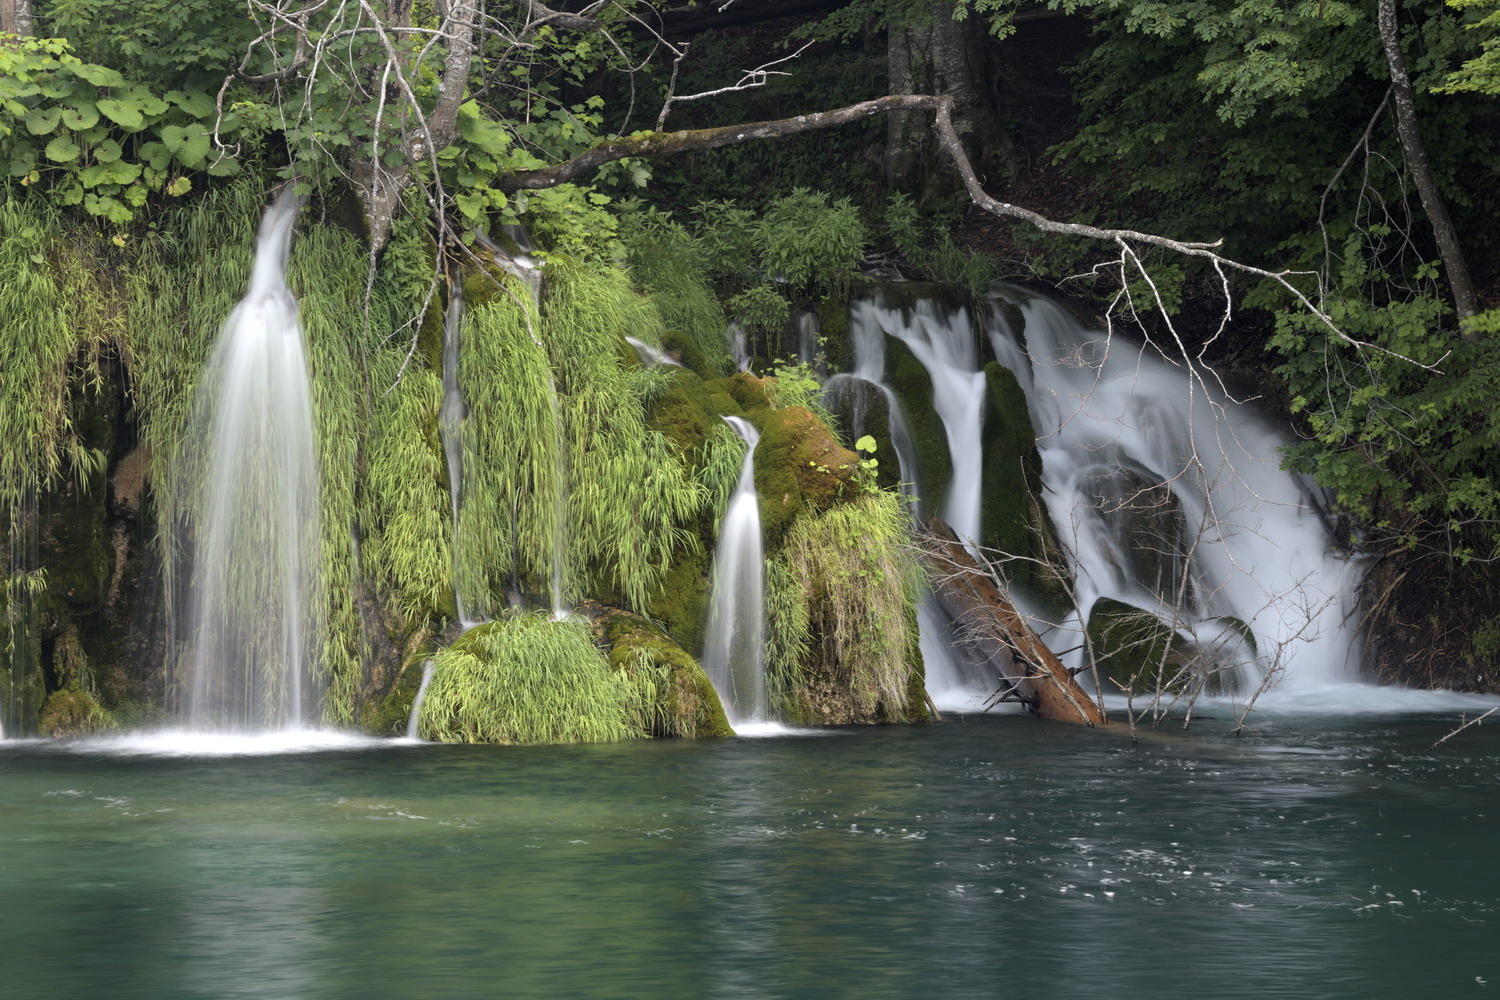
(629, 496)
(528, 679)
(508, 523)
(841, 610)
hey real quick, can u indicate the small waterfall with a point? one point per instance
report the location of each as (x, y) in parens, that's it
(652, 357)
(734, 657)
(254, 620)
(450, 428)
(413, 721)
(1131, 444)
(943, 341)
(739, 347)
(807, 337)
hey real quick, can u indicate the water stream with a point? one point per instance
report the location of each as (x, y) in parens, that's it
(254, 619)
(734, 654)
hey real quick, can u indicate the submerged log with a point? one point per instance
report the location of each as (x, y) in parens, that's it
(972, 594)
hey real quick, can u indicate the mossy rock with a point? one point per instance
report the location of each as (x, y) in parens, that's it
(430, 334)
(799, 465)
(72, 711)
(686, 704)
(860, 409)
(1134, 649)
(749, 393)
(833, 330)
(1150, 527)
(683, 601)
(1013, 518)
(913, 386)
(687, 411)
(690, 353)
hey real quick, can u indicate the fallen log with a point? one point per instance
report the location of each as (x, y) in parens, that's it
(972, 593)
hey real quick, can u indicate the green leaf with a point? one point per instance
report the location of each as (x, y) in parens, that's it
(866, 443)
(197, 104)
(179, 187)
(107, 151)
(62, 150)
(126, 114)
(225, 166)
(99, 76)
(155, 155)
(80, 115)
(189, 144)
(43, 120)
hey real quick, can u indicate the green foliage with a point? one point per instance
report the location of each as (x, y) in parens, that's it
(811, 242)
(174, 43)
(665, 259)
(760, 311)
(840, 611)
(1408, 450)
(91, 138)
(527, 679)
(1481, 74)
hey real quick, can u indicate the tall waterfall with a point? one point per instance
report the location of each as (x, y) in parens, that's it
(254, 620)
(450, 428)
(1231, 537)
(734, 657)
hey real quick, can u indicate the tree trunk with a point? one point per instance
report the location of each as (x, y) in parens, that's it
(940, 56)
(15, 16)
(989, 620)
(1415, 153)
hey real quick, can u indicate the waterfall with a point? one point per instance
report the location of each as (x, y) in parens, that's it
(254, 611)
(414, 720)
(450, 429)
(739, 347)
(1125, 437)
(734, 657)
(944, 344)
(651, 357)
(807, 337)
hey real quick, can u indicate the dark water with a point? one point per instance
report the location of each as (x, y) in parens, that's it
(994, 857)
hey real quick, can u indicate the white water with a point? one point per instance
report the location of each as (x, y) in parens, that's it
(739, 347)
(413, 721)
(652, 357)
(807, 337)
(254, 608)
(954, 683)
(450, 428)
(734, 654)
(1252, 548)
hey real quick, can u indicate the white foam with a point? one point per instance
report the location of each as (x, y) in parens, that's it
(762, 730)
(1343, 698)
(188, 743)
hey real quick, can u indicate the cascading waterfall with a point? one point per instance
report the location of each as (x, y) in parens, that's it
(734, 654)
(450, 429)
(954, 680)
(1237, 541)
(254, 616)
(414, 720)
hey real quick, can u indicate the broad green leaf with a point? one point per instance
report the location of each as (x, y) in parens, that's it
(81, 115)
(126, 114)
(62, 150)
(43, 120)
(99, 76)
(107, 151)
(179, 187)
(156, 155)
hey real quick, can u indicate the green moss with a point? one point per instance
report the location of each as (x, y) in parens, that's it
(683, 600)
(686, 413)
(680, 699)
(73, 711)
(1013, 517)
(528, 679)
(1134, 649)
(841, 611)
(912, 385)
(799, 465)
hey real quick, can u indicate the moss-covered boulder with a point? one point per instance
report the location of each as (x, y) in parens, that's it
(73, 711)
(680, 699)
(841, 608)
(1013, 518)
(527, 678)
(799, 466)
(683, 600)
(910, 382)
(1135, 650)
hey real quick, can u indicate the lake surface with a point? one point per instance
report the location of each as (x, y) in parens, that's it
(984, 857)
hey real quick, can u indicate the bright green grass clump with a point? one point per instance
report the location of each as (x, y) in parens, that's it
(840, 604)
(629, 496)
(528, 679)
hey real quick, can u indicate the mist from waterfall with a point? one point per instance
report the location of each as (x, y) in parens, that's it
(254, 618)
(734, 653)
